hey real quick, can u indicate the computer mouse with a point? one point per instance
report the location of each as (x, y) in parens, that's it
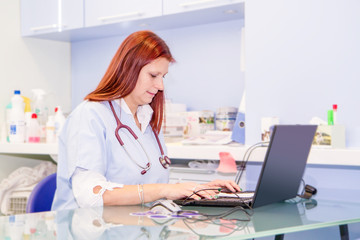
(165, 207)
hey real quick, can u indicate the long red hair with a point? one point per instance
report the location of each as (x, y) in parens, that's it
(119, 80)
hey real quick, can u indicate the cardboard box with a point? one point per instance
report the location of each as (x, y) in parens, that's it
(330, 135)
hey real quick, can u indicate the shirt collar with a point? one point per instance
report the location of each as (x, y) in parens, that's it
(144, 113)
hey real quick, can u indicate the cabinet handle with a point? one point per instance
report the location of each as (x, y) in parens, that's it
(124, 15)
(200, 2)
(42, 28)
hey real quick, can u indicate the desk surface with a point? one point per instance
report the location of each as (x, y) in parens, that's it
(118, 223)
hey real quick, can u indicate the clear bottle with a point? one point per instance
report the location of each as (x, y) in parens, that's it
(17, 119)
(33, 130)
(50, 130)
(41, 110)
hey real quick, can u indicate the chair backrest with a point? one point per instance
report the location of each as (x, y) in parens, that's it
(42, 196)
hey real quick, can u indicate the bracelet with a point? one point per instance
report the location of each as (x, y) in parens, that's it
(138, 187)
(141, 193)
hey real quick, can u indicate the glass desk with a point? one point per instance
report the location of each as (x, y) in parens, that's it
(119, 223)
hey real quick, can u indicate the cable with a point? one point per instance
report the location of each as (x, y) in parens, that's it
(246, 159)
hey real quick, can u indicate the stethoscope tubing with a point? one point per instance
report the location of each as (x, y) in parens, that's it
(164, 160)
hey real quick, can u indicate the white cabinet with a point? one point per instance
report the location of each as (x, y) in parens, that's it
(98, 12)
(178, 6)
(46, 16)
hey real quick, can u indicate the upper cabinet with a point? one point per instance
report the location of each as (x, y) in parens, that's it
(178, 6)
(98, 12)
(46, 16)
(77, 20)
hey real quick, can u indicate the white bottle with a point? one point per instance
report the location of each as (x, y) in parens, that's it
(17, 119)
(3, 134)
(41, 110)
(33, 130)
(59, 120)
(50, 130)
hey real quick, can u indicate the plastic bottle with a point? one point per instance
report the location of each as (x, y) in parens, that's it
(50, 130)
(41, 110)
(33, 130)
(335, 108)
(28, 115)
(59, 120)
(3, 133)
(7, 121)
(17, 119)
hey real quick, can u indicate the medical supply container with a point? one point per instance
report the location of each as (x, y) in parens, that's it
(225, 118)
(50, 130)
(33, 130)
(28, 115)
(17, 119)
(41, 111)
(206, 121)
(7, 120)
(174, 122)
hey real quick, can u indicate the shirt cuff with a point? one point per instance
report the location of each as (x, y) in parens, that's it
(83, 183)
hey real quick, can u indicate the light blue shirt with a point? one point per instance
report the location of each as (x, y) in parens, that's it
(88, 141)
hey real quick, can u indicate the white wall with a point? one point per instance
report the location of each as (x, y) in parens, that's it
(26, 64)
(302, 56)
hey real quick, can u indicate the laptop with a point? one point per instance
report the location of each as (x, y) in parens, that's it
(281, 172)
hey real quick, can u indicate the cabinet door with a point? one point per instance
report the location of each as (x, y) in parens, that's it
(177, 6)
(98, 12)
(45, 16)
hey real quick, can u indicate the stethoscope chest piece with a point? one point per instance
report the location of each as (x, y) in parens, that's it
(165, 161)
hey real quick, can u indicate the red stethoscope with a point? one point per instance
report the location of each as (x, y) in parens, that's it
(164, 160)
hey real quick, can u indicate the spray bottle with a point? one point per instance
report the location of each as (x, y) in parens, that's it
(28, 115)
(41, 111)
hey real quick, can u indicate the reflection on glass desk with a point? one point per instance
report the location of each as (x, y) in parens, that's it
(118, 222)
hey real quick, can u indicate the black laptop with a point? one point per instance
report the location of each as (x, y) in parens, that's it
(281, 172)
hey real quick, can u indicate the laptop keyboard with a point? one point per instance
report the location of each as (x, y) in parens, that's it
(221, 201)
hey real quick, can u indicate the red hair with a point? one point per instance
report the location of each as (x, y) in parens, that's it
(119, 80)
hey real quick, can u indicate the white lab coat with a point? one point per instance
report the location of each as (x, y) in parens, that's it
(88, 141)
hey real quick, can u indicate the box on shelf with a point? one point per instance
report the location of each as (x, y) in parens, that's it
(330, 135)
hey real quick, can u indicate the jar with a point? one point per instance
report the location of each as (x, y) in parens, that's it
(206, 121)
(225, 118)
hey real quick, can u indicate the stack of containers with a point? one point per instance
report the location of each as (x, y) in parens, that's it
(23, 125)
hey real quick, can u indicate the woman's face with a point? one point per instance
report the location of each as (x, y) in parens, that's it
(150, 81)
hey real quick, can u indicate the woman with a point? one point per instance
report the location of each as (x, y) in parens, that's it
(100, 164)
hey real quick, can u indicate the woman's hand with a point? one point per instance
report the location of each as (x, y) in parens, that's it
(190, 190)
(227, 184)
(198, 191)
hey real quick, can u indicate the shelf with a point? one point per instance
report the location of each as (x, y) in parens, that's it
(321, 156)
(29, 148)
(185, 19)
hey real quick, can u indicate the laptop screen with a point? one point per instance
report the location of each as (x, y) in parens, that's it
(284, 163)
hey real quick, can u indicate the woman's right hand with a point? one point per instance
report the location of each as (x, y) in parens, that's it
(188, 189)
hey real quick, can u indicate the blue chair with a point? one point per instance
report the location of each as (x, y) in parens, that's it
(42, 196)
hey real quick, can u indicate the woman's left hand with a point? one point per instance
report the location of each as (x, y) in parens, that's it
(228, 184)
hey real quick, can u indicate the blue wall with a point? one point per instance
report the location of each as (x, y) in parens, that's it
(206, 75)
